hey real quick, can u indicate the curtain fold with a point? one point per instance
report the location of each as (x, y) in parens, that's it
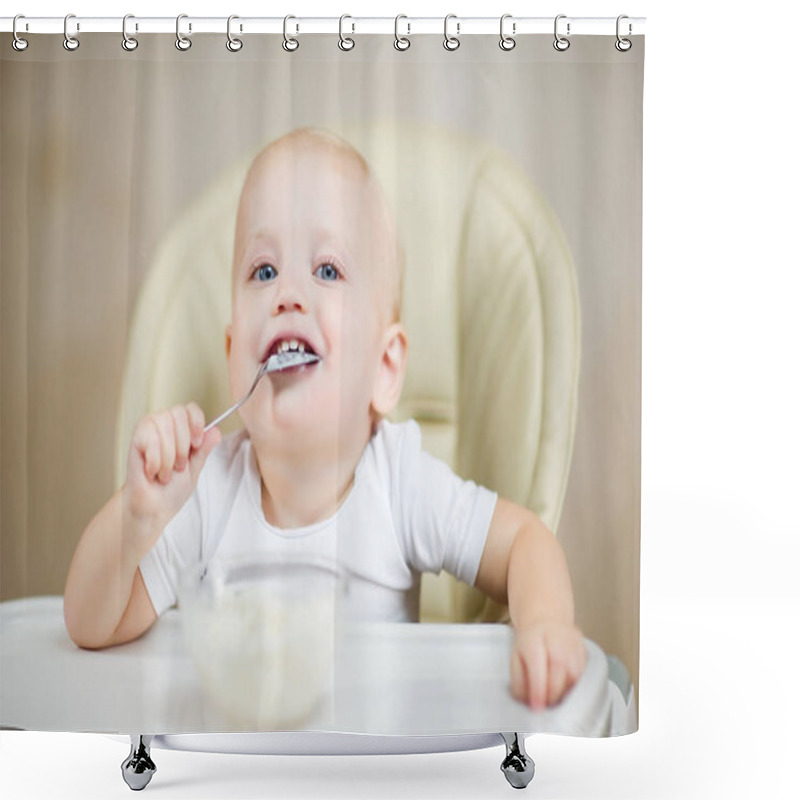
(514, 180)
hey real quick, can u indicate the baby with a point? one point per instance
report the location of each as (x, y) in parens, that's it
(317, 470)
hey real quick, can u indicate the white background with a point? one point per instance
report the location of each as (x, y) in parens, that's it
(720, 604)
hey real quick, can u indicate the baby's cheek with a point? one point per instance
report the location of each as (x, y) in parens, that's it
(239, 380)
(355, 377)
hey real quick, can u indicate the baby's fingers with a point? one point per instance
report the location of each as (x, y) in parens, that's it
(166, 433)
(198, 458)
(518, 677)
(152, 456)
(197, 422)
(529, 674)
(146, 442)
(183, 437)
(537, 676)
(567, 662)
(557, 680)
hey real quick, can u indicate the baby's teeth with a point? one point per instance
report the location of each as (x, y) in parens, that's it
(291, 344)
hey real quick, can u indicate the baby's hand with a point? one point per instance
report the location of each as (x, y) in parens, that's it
(167, 453)
(546, 661)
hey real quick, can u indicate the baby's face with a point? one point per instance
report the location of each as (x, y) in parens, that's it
(309, 267)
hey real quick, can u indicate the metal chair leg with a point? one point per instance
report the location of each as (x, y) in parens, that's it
(518, 766)
(138, 768)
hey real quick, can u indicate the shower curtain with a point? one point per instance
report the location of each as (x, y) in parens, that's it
(447, 240)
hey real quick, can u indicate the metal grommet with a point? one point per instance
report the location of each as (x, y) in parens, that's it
(507, 42)
(401, 42)
(182, 42)
(345, 42)
(290, 44)
(233, 44)
(129, 43)
(451, 42)
(623, 45)
(18, 43)
(70, 42)
(561, 43)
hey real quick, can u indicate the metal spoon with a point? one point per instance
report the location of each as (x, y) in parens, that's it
(275, 363)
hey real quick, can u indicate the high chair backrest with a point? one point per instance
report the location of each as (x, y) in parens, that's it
(490, 305)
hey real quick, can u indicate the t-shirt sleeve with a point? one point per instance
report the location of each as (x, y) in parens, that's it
(178, 546)
(442, 520)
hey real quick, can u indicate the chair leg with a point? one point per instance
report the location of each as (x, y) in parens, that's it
(138, 768)
(518, 766)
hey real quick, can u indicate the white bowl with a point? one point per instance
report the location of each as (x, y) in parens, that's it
(261, 635)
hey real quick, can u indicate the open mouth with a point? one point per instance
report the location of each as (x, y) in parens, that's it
(290, 345)
(290, 354)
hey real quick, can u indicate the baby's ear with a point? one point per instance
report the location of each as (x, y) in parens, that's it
(391, 370)
(228, 341)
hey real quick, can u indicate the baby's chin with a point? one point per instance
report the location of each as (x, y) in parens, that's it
(288, 427)
(317, 437)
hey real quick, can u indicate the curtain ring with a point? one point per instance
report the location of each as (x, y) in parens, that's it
(129, 43)
(451, 42)
(182, 42)
(561, 43)
(623, 45)
(233, 44)
(18, 43)
(507, 42)
(70, 42)
(345, 42)
(401, 42)
(290, 44)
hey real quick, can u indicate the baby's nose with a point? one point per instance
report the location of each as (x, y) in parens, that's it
(289, 298)
(289, 304)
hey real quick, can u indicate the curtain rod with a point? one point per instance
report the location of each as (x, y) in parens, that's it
(570, 26)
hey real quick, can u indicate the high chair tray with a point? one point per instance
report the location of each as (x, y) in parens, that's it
(391, 680)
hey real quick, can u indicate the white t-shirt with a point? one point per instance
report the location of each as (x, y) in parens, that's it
(405, 514)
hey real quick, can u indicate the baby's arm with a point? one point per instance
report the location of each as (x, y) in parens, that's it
(523, 565)
(105, 599)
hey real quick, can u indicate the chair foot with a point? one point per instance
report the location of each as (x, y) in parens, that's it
(518, 766)
(138, 768)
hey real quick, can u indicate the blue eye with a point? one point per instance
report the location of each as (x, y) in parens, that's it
(266, 272)
(327, 272)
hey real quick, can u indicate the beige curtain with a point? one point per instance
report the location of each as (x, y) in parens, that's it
(102, 150)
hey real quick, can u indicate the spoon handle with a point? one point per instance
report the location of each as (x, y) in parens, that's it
(262, 370)
(224, 415)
